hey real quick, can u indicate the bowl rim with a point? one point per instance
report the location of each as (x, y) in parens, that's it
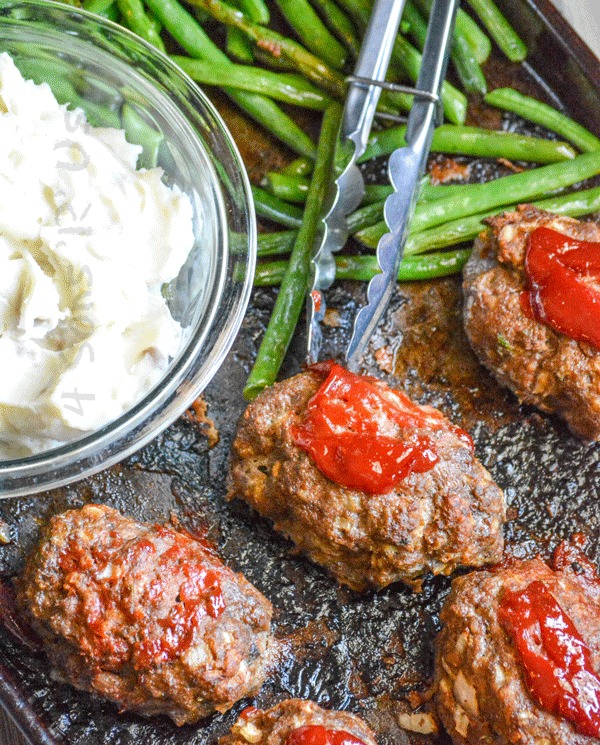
(171, 394)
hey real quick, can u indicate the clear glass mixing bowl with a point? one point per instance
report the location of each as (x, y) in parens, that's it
(120, 80)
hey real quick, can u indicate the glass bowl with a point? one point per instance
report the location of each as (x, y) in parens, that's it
(120, 80)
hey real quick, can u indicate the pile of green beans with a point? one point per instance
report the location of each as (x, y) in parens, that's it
(264, 72)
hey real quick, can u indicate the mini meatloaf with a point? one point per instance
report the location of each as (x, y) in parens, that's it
(296, 722)
(481, 690)
(145, 616)
(542, 366)
(449, 516)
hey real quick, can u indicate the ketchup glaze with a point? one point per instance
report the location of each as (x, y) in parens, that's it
(344, 432)
(555, 660)
(563, 290)
(316, 734)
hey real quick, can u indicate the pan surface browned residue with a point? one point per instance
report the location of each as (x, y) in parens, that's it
(344, 650)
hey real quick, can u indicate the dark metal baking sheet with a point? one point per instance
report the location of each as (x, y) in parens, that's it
(362, 652)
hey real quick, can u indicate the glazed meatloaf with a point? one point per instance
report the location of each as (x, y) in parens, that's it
(542, 366)
(145, 616)
(296, 722)
(435, 521)
(482, 694)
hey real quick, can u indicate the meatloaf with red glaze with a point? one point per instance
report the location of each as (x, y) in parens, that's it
(481, 694)
(276, 725)
(542, 366)
(449, 516)
(145, 616)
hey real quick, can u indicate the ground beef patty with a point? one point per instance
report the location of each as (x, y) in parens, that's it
(274, 726)
(145, 616)
(543, 367)
(449, 516)
(480, 692)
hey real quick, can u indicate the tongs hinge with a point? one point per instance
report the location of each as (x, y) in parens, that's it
(398, 88)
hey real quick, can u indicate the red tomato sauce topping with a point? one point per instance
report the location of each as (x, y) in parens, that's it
(556, 661)
(127, 584)
(316, 734)
(342, 432)
(563, 290)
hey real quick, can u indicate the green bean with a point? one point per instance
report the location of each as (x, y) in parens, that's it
(286, 87)
(309, 65)
(289, 188)
(432, 192)
(429, 192)
(442, 236)
(256, 10)
(464, 229)
(157, 25)
(431, 266)
(364, 268)
(293, 189)
(238, 46)
(273, 244)
(139, 132)
(375, 193)
(339, 24)
(475, 141)
(279, 64)
(546, 116)
(358, 10)
(269, 274)
(479, 42)
(519, 187)
(276, 210)
(189, 34)
(136, 19)
(500, 29)
(467, 68)
(290, 298)
(111, 13)
(364, 217)
(97, 6)
(298, 167)
(409, 58)
(467, 34)
(312, 32)
(417, 25)
(576, 204)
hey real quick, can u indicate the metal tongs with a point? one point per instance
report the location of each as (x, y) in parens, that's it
(405, 169)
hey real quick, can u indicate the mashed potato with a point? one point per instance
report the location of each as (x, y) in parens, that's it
(87, 243)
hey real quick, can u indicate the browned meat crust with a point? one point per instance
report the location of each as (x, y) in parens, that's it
(274, 726)
(100, 590)
(480, 693)
(436, 521)
(541, 366)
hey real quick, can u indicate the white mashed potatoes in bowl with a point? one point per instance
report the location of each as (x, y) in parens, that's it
(127, 244)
